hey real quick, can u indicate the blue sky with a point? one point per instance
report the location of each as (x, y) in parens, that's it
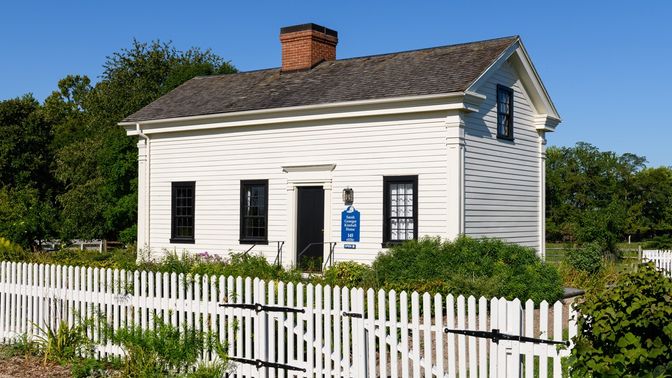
(607, 65)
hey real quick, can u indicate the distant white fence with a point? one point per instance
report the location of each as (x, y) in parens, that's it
(275, 329)
(662, 260)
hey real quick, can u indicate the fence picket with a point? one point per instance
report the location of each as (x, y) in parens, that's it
(557, 336)
(382, 333)
(415, 330)
(394, 343)
(529, 332)
(482, 342)
(427, 333)
(543, 334)
(438, 334)
(461, 339)
(338, 367)
(327, 330)
(403, 317)
(345, 331)
(471, 321)
(371, 329)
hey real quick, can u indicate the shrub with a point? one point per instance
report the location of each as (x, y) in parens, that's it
(484, 267)
(588, 258)
(626, 330)
(349, 274)
(166, 350)
(660, 242)
(10, 251)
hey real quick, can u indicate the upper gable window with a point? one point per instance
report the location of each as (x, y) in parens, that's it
(504, 112)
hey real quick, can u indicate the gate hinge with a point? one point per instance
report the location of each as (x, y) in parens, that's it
(495, 336)
(260, 364)
(258, 307)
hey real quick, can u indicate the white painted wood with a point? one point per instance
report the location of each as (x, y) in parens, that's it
(482, 342)
(403, 317)
(498, 172)
(471, 324)
(461, 339)
(543, 334)
(529, 332)
(394, 342)
(438, 335)
(371, 332)
(557, 336)
(415, 325)
(382, 334)
(661, 259)
(333, 344)
(427, 333)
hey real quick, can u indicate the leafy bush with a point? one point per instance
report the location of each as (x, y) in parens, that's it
(626, 330)
(588, 258)
(10, 251)
(349, 274)
(166, 350)
(660, 242)
(484, 267)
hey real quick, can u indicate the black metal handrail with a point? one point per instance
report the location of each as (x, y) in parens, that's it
(278, 255)
(332, 246)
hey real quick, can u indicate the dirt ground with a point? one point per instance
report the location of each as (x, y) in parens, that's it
(31, 367)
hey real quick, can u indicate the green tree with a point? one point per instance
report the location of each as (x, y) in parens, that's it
(650, 212)
(589, 192)
(97, 164)
(26, 184)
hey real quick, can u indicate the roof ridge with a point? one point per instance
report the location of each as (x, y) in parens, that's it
(370, 56)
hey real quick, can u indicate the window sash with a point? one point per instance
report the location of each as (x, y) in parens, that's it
(400, 209)
(254, 211)
(504, 112)
(183, 212)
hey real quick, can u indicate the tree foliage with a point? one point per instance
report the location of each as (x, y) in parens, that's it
(66, 168)
(601, 196)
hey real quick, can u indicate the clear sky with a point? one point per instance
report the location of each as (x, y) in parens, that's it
(607, 65)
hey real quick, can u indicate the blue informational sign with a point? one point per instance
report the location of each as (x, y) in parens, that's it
(350, 225)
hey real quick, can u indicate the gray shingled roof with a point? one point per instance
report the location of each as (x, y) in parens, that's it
(412, 73)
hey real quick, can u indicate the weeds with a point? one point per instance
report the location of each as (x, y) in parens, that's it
(167, 350)
(64, 343)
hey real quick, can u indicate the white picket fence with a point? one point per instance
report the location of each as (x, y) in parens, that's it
(276, 329)
(662, 260)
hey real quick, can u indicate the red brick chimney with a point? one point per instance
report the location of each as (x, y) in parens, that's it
(305, 46)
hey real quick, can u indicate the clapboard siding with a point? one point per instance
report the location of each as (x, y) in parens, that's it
(502, 178)
(363, 151)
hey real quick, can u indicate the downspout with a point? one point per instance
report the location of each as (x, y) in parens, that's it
(146, 190)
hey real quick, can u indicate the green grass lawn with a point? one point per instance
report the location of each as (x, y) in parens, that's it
(629, 254)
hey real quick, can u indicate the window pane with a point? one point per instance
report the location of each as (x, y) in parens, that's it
(253, 213)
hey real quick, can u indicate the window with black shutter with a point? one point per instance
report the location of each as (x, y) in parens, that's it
(254, 211)
(400, 209)
(183, 200)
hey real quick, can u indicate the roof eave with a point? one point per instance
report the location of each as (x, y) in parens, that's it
(464, 101)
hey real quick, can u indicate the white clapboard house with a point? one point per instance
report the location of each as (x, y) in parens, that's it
(435, 142)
